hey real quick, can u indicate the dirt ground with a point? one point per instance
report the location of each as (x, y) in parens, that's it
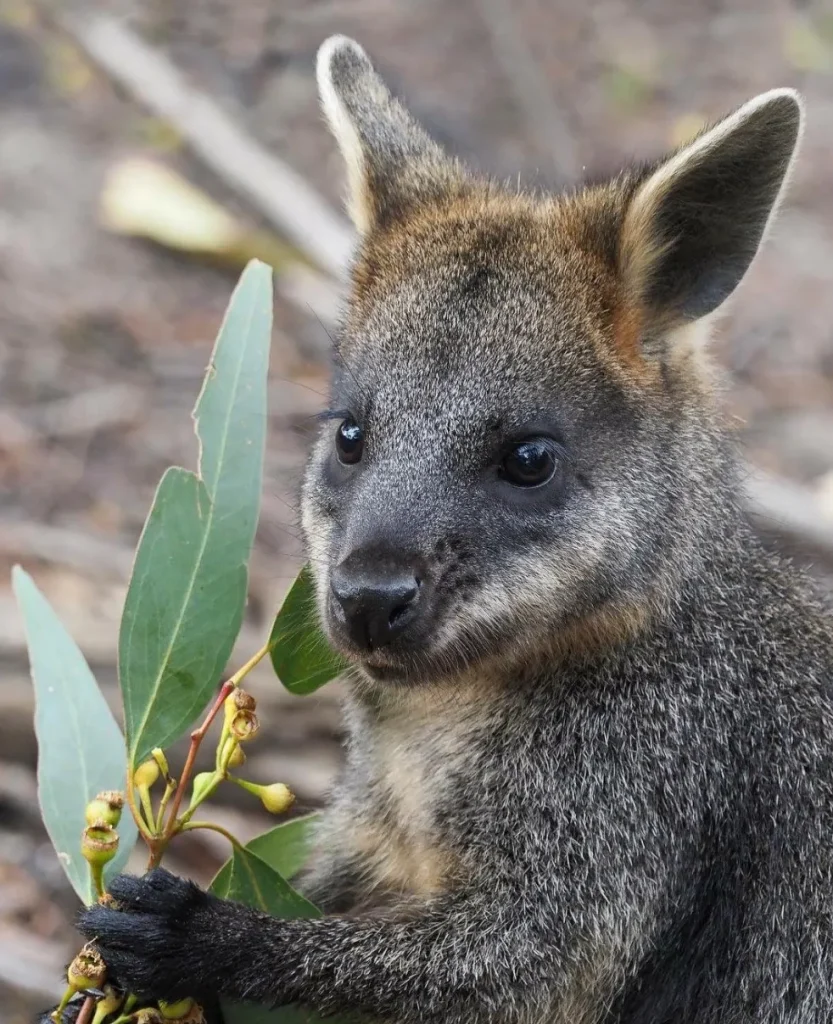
(103, 339)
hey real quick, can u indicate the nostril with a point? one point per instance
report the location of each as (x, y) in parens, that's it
(375, 609)
(403, 604)
(397, 614)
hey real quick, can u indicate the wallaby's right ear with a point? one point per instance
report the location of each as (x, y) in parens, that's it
(694, 225)
(392, 165)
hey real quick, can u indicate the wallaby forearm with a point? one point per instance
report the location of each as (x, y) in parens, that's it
(443, 967)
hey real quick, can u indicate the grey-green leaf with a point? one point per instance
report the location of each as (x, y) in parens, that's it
(80, 748)
(187, 594)
(251, 880)
(301, 656)
(246, 1013)
(285, 848)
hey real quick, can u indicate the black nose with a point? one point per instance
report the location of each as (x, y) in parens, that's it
(377, 606)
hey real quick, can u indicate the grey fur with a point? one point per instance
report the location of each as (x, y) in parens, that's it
(595, 783)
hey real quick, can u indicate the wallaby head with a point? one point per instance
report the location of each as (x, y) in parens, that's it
(523, 449)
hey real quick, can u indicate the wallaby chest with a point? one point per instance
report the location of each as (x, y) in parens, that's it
(414, 758)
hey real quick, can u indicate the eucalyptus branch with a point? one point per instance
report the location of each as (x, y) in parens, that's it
(144, 830)
(199, 795)
(156, 708)
(190, 826)
(255, 660)
(86, 1012)
(170, 789)
(196, 739)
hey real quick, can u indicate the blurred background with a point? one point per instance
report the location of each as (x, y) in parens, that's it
(149, 148)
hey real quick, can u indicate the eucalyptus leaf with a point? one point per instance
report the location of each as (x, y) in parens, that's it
(285, 848)
(252, 881)
(80, 746)
(247, 1013)
(301, 655)
(255, 883)
(185, 602)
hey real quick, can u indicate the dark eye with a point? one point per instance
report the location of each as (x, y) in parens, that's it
(529, 464)
(349, 442)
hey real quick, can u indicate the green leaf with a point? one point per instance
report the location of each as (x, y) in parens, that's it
(240, 1013)
(301, 656)
(284, 848)
(80, 747)
(186, 597)
(252, 881)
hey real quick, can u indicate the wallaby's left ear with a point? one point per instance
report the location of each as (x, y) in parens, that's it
(694, 225)
(392, 164)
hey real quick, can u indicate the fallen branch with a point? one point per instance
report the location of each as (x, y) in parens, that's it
(86, 412)
(281, 195)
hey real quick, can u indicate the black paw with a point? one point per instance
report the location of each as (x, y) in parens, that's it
(155, 943)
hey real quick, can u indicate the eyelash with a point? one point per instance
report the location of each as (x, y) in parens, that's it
(333, 414)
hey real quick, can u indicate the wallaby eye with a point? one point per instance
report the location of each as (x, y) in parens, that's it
(529, 464)
(349, 441)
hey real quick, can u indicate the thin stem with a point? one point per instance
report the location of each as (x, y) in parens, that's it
(241, 673)
(147, 806)
(250, 787)
(226, 754)
(163, 803)
(208, 791)
(146, 833)
(196, 739)
(126, 1010)
(97, 873)
(105, 1007)
(157, 848)
(86, 1011)
(189, 826)
(65, 998)
(221, 744)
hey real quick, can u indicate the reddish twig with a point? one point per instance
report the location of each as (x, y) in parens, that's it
(86, 1011)
(196, 739)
